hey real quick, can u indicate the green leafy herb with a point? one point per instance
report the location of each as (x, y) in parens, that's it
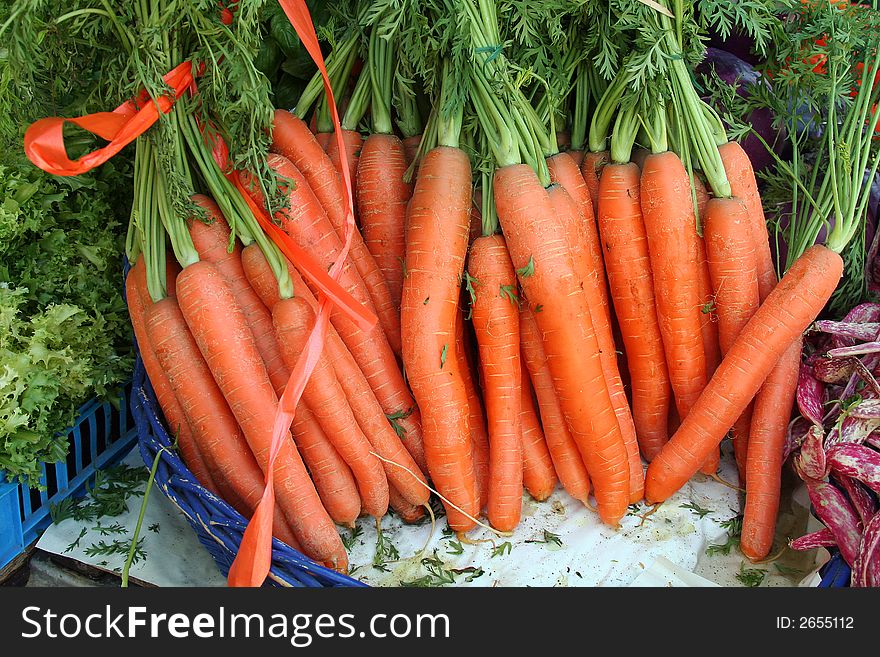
(348, 539)
(108, 530)
(399, 415)
(425, 302)
(509, 292)
(385, 552)
(528, 270)
(734, 530)
(117, 547)
(502, 549)
(439, 575)
(454, 547)
(539, 307)
(469, 282)
(696, 509)
(751, 576)
(548, 537)
(443, 355)
(75, 544)
(154, 528)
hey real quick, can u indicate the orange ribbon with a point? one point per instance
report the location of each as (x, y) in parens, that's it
(44, 146)
(254, 558)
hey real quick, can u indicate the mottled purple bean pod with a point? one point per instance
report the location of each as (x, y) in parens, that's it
(810, 393)
(862, 501)
(822, 538)
(856, 461)
(834, 370)
(833, 509)
(866, 567)
(812, 459)
(861, 332)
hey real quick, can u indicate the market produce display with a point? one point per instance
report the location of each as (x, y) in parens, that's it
(490, 247)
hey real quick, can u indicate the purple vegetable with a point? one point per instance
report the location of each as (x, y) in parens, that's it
(736, 71)
(812, 460)
(794, 437)
(833, 509)
(873, 440)
(856, 461)
(853, 430)
(868, 409)
(865, 313)
(863, 502)
(810, 393)
(855, 350)
(857, 331)
(821, 538)
(866, 567)
(834, 370)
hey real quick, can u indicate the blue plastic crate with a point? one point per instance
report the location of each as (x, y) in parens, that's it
(102, 436)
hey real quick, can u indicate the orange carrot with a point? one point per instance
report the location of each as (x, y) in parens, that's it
(496, 323)
(353, 143)
(538, 246)
(382, 197)
(138, 299)
(436, 243)
(294, 321)
(627, 263)
(591, 169)
(777, 324)
(589, 268)
(292, 139)
(333, 478)
(306, 222)
(476, 416)
(763, 467)
(539, 477)
(733, 269)
(567, 461)
(577, 156)
(227, 344)
(674, 252)
(214, 427)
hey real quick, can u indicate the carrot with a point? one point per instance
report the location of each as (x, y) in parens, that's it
(306, 222)
(382, 197)
(709, 330)
(589, 267)
(138, 299)
(324, 140)
(212, 423)
(763, 466)
(577, 156)
(773, 403)
(674, 253)
(330, 473)
(627, 263)
(436, 243)
(367, 410)
(539, 477)
(538, 247)
(566, 458)
(212, 241)
(411, 147)
(408, 512)
(741, 176)
(476, 416)
(779, 322)
(292, 139)
(294, 320)
(496, 323)
(225, 340)
(733, 269)
(591, 169)
(353, 143)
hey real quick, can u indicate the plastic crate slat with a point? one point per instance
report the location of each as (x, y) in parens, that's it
(20, 521)
(77, 449)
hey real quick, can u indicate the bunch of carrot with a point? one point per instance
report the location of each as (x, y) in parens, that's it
(507, 276)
